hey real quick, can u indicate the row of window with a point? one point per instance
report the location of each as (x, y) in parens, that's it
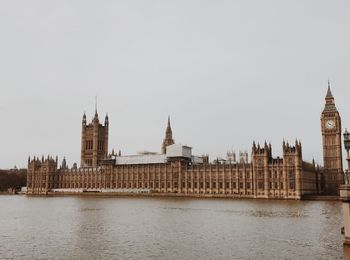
(202, 185)
(276, 175)
(276, 185)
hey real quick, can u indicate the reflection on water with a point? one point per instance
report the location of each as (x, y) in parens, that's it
(159, 228)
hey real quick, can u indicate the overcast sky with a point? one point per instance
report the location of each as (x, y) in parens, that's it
(227, 72)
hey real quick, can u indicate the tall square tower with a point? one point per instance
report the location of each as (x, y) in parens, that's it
(332, 146)
(94, 141)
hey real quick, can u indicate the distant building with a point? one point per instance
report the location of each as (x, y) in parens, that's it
(231, 157)
(176, 171)
(243, 157)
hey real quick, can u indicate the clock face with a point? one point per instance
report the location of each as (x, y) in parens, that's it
(330, 124)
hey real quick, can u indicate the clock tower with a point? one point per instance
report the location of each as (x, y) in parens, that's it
(332, 146)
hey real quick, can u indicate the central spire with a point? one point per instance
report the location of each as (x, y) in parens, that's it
(169, 132)
(168, 137)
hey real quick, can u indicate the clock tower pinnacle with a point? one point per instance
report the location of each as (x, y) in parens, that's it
(332, 146)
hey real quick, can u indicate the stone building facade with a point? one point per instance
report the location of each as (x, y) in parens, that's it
(94, 141)
(176, 171)
(288, 177)
(332, 145)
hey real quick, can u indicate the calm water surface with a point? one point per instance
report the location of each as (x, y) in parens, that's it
(160, 228)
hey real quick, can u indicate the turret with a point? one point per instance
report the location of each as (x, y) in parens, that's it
(64, 164)
(83, 140)
(106, 134)
(295, 150)
(258, 150)
(106, 120)
(84, 120)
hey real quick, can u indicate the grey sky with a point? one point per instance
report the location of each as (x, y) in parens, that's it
(227, 72)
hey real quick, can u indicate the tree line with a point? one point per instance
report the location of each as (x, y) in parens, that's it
(12, 179)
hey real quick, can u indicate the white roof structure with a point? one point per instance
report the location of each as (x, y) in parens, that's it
(141, 159)
(173, 151)
(178, 150)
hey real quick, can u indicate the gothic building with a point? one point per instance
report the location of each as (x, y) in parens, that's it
(332, 145)
(94, 141)
(175, 171)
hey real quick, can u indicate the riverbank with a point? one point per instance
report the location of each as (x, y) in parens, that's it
(176, 195)
(321, 197)
(11, 193)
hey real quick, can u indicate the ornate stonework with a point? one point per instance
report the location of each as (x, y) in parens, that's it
(332, 145)
(94, 141)
(176, 172)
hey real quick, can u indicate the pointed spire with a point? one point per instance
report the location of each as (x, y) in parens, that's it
(84, 119)
(169, 132)
(106, 120)
(168, 137)
(95, 105)
(64, 163)
(96, 114)
(329, 92)
(346, 136)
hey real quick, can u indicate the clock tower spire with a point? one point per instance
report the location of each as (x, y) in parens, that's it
(332, 146)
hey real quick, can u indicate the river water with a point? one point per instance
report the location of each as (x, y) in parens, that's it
(168, 228)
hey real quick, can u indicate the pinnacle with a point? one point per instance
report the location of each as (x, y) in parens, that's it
(329, 92)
